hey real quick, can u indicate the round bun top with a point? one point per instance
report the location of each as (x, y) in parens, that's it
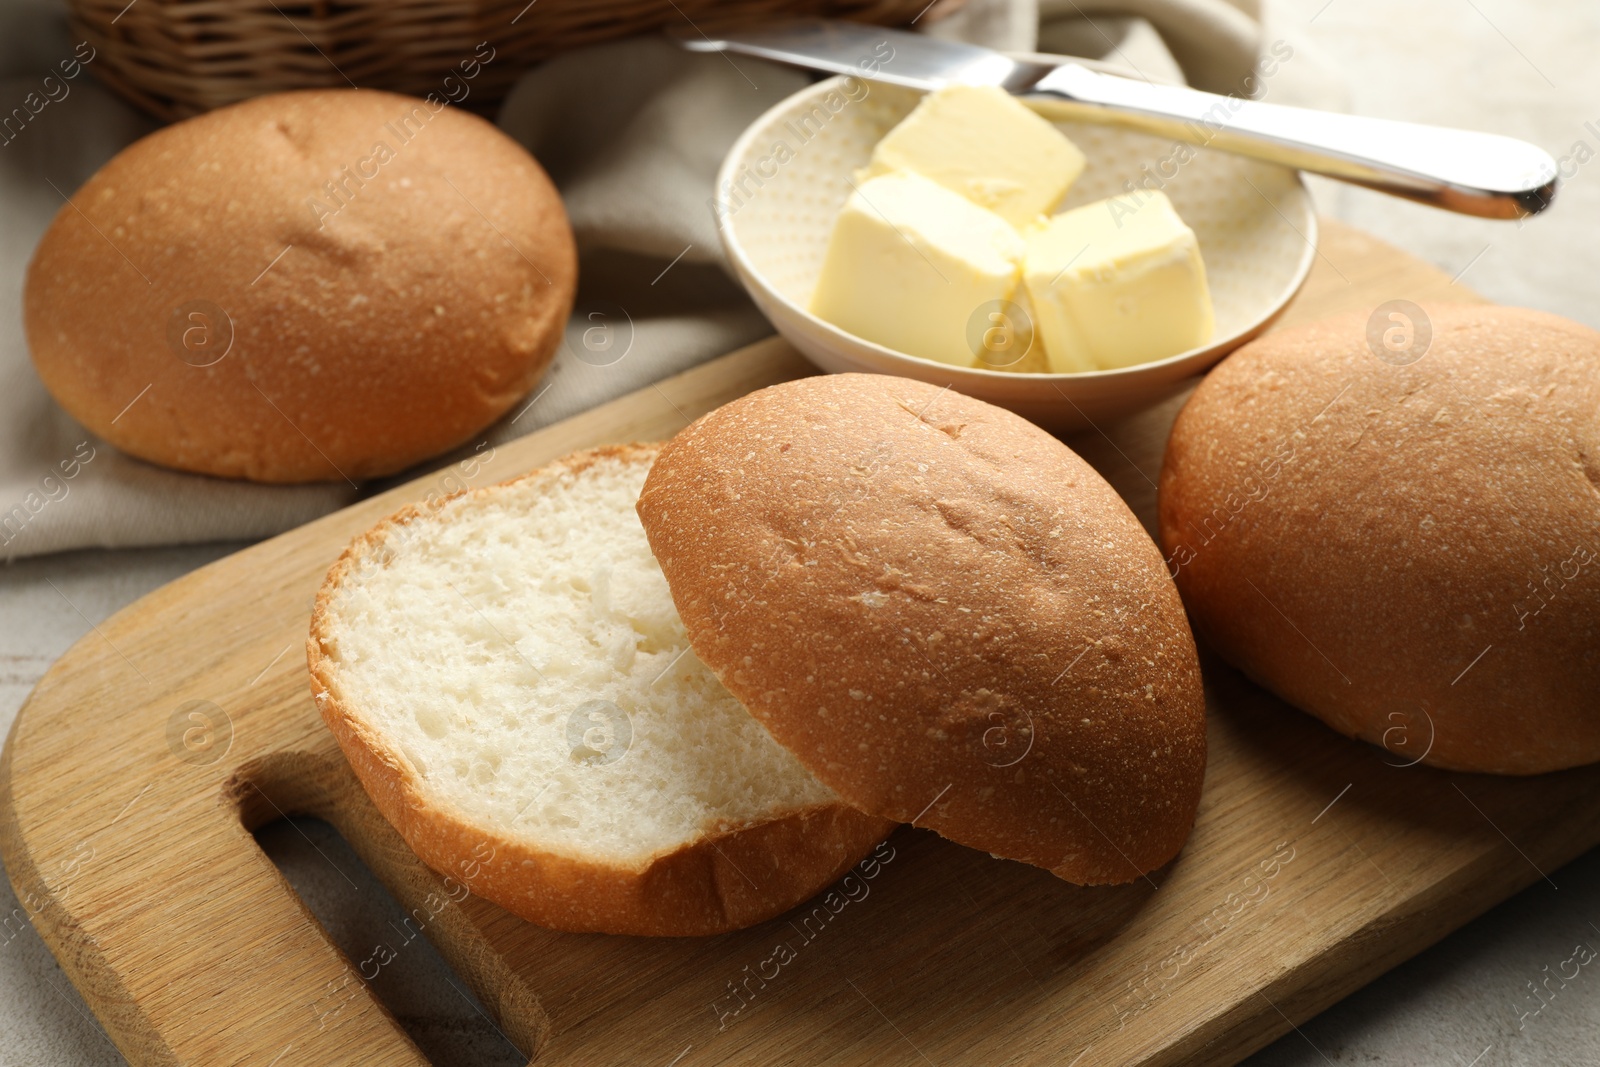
(309, 286)
(945, 613)
(1392, 521)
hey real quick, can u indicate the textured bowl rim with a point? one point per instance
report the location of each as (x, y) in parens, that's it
(1191, 361)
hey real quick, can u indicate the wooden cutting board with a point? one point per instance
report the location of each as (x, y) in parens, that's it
(139, 766)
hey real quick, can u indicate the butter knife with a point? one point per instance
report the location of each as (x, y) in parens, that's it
(1469, 172)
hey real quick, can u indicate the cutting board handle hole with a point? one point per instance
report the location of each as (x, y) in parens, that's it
(387, 948)
(407, 935)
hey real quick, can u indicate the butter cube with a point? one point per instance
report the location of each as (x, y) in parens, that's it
(910, 264)
(1117, 282)
(979, 141)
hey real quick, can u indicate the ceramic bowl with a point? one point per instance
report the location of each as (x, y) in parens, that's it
(786, 177)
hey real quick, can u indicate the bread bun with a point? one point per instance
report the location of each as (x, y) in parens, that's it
(309, 286)
(1409, 550)
(946, 614)
(507, 675)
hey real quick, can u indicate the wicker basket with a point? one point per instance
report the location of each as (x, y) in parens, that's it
(176, 58)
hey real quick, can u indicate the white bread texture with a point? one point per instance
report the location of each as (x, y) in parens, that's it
(507, 674)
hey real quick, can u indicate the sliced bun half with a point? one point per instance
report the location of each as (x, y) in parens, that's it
(945, 613)
(510, 681)
(1404, 542)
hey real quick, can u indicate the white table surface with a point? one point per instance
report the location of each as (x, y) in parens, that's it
(1526, 69)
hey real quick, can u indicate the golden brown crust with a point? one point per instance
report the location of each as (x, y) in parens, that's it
(734, 878)
(1409, 552)
(374, 322)
(946, 614)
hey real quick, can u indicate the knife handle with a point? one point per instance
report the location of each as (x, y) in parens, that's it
(1459, 170)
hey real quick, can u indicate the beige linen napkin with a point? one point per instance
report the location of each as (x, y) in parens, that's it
(631, 131)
